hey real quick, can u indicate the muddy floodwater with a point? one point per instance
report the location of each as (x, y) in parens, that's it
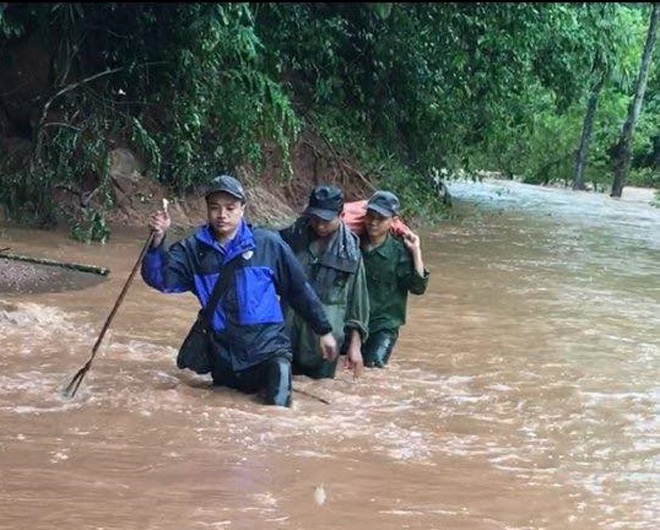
(524, 392)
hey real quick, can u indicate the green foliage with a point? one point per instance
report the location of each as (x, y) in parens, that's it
(200, 88)
(645, 177)
(91, 226)
(500, 86)
(656, 199)
(222, 106)
(146, 145)
(538, 140)
(27, 196)
(418, 199)
(184, 88)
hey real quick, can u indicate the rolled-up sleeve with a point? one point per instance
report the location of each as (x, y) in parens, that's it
(409, 278)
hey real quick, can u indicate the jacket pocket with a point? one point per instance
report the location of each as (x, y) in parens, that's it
(258, 302)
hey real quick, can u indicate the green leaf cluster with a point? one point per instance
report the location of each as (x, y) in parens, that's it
(197, 89)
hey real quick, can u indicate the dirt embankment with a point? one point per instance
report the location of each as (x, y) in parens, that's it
(273, 199)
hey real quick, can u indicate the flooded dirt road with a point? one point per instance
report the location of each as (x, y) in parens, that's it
(524, 392)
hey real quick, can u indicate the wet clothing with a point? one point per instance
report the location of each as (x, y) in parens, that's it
(391, 275)
(248, 326)
(377, 350)
(337, 274)
(273, 376)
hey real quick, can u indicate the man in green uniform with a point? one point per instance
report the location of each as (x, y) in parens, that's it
(394, 268)
(330, 254)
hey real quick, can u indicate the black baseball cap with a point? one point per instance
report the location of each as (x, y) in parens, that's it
(226, 184)
(384, 203)
(325, 202)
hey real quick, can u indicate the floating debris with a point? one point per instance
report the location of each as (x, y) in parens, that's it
(319, 495)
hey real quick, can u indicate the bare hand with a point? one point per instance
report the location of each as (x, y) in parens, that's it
(329, 348)
(160, 223)
(411, 240)
(354, 361)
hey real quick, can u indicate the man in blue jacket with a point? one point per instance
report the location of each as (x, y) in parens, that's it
(249, 347)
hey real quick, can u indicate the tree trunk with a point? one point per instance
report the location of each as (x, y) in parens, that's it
(587, 126)
(623, 149)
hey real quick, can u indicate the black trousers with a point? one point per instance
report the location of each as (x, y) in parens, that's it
(378, 348)
(272, 376)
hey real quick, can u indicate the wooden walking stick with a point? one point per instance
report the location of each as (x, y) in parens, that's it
(72, 388)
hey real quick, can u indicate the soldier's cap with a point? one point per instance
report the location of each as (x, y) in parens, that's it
(384, 203)
(325, 202)
(226, 184)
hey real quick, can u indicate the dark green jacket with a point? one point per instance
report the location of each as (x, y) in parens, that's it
(338, 277)
(391, 275)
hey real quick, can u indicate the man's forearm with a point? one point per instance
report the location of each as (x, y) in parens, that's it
(355, 339)
(158, 239)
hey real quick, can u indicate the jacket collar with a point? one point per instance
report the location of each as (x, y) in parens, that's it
(242, 241)
(383, 248)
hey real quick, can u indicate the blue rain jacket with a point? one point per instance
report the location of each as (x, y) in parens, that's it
(248, 324)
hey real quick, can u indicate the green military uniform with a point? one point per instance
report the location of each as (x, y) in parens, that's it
(391, 275)
(337, 274)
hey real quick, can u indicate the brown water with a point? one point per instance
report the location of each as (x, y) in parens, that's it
(524, 393)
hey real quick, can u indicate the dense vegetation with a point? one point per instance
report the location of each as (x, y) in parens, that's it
(398, 88)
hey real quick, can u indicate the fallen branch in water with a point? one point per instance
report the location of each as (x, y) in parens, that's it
(44, 261)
